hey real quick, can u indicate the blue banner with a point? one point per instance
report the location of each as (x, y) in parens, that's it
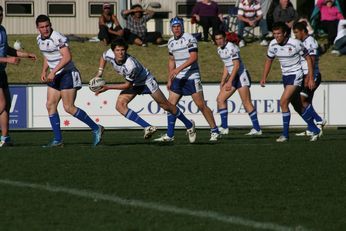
(18, 110)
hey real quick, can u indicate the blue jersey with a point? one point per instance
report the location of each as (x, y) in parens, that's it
(3, 46)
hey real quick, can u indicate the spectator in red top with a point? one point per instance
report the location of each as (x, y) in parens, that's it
(207, 14)
(330, 16)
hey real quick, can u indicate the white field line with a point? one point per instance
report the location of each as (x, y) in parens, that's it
(155, 206)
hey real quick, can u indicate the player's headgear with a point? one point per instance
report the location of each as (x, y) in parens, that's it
(177, 20)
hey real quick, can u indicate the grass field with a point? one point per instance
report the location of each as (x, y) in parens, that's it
(86, 57)
(130, 184)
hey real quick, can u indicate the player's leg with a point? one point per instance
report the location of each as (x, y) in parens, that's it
(5, 102)
(198, 98)
(68, 97)
(222, 109)
(160, 98)
(122, 107)
(285, 99)
(307, 113)
(53, 98)
(245, 95)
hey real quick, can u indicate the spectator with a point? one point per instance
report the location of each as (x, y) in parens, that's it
(330, 16)
(109, 25)
(285, 12)
(340, 40)
(136, 28)
(207, 14)
(250, 14)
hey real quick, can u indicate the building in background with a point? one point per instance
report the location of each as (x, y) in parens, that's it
(81, 16)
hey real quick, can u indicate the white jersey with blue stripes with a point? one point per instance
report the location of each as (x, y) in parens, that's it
(289, 54)
(132, 70)
(180, 49)
(228, 54)
(312, 46)
(50, 48)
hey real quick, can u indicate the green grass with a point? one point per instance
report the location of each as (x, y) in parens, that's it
(295, 184)
(86, 57)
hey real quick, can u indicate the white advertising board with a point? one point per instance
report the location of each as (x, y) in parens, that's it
(102, 108)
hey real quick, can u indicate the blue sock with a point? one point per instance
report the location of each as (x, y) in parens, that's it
(308, 118)
(131, 115)
(182, 118)
(314, 114)
(82, 116)
(224, 117)
(254, 120)
(171, 124)
(214, 130)
(55, 123)
(286, 117)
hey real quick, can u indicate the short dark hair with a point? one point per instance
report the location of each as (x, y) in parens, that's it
(219, 32)
(280, 26)
(1, 9)
(42, 18)
(301, 26)
(120, 42)
(135, 6)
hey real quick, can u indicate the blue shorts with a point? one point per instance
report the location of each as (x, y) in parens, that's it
(3, 80)
(243, 80)
(186, 86)
(150, 87)
(294, 79)
(69, 79)
(306, 92)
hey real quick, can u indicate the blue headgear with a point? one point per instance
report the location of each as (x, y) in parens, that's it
(177, 20)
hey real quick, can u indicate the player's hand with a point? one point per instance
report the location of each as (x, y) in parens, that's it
(228, 86)
(169, 84)
(103, 89)
(263, 82)
(50, 77)
(43, 77)
(32, 56)
(173, 73)
(311, 84)
(13, 60)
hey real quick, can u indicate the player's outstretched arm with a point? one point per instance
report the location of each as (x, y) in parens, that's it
(267, 66)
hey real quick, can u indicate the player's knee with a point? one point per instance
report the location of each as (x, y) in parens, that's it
(69, 108)
(121, 107)
(220, 100)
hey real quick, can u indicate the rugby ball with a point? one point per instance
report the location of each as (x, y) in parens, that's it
(17, 45)
(96, 83)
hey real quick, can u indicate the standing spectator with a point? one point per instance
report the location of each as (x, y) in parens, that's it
(136, 27)
(207, 14)
(5, 99)
(250, 14)
(63, 81)
(109, 26)
(330, 16)
(340, 40)
(285, 12)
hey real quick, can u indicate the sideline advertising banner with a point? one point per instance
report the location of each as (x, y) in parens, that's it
(18, 111)
(102, 108)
